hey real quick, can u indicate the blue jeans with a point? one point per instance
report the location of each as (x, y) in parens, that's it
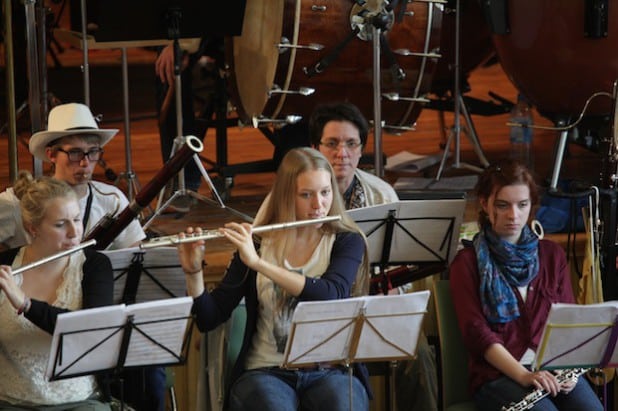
(276, 389)
(504, 391)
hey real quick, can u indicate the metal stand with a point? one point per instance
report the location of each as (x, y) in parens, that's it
(179, 141)
(133, 186)
(10, 89)
(459, 107)
(37, 72)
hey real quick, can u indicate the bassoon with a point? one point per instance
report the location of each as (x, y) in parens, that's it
(108, 229)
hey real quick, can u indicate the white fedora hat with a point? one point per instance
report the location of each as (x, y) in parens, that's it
(66, 120)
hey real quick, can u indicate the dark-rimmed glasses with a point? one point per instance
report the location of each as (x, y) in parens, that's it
(76, 155)
(334, 145)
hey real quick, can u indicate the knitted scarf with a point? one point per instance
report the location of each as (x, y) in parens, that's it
(503, 265)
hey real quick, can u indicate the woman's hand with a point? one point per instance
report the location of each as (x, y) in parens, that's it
(191, 254)
(240, 236)
(543, 380)
(568, 385)
(7, 284)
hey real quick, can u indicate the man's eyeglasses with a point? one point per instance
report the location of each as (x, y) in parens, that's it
(77, 155)
(349, 145)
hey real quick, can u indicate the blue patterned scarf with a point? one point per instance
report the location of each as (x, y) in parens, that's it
(502, 265)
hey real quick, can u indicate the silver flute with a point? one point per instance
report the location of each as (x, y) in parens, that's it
(54, 256)
(175, 239)
(535, 396)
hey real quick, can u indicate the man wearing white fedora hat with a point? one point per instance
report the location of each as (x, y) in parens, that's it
(73, 142)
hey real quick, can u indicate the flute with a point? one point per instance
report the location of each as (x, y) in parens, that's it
(212, 234)
(535, 396)
(54, 256)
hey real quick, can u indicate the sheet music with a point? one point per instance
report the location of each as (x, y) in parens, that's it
(564, 343)
(337, 330)
(324, 331)
(90, 340)
(162, 263)
(398, 320)
(174, 313)
(101, 357)
(425, 230)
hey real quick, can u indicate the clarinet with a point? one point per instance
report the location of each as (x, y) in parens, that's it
(535, 396)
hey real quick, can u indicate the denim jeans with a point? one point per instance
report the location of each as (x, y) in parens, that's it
(504, 391)
(276, 389)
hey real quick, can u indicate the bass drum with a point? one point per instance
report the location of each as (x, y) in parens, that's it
(551, 59)
(282, 41)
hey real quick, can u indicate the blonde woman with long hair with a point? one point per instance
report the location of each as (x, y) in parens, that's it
(323, 261)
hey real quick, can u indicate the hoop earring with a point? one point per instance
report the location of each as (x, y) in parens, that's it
(537, 228)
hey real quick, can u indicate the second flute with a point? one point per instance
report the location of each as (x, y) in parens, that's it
(171, 240)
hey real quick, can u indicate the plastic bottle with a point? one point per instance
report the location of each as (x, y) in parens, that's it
(521, 137)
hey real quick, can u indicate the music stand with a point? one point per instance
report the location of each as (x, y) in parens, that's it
(579, 336)
(420, 232)
(141, 276)
(139, 335)
(361, 329)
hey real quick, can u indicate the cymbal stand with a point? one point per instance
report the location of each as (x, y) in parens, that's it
(458, 109)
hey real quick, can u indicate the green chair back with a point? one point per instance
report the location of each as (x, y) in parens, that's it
(453, 355)
(236, 332)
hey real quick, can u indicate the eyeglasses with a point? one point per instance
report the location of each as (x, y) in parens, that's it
(77, 155)
(349, 145)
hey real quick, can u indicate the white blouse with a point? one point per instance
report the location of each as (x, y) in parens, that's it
(24, 348)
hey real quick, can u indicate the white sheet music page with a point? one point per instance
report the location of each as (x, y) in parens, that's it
(576, 336)
(323, 330)
(423, 231)
(392, 326)
(165, 322)
(84, 332)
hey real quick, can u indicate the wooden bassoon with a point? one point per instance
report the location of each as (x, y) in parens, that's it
(108, 228)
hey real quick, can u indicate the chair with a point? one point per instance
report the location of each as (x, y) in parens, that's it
(453, 355)
(222, 347)
(170, 379)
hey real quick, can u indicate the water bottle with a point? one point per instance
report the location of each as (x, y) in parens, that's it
(521, 135)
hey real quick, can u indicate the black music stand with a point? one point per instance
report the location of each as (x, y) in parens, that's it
(147, 334)
(141, 275)
(352, 330)
(420, 232)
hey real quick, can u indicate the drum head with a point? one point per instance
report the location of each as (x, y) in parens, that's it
(255, 55)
